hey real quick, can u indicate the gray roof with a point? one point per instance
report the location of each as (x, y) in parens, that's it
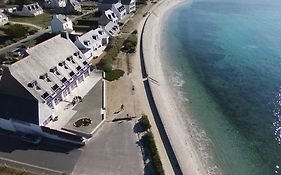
(109, 1)
(2, 15)
(36, 71)
(61, 18)
(126, 2)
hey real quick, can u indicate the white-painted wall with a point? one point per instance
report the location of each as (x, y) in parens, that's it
(59, 26)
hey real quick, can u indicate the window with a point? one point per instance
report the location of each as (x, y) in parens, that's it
(78, 68)
(55, 87)
(32, 84)
(71, 73)
(63, 80)
(45, 95)
(85, 62)
(44, 76)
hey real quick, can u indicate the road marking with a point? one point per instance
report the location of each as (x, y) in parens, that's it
(30, 165)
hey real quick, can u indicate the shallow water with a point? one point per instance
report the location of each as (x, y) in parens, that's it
(226, 59)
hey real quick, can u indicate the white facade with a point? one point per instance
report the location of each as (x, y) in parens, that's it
(111, 16)
(131, 7)
(61, 23)
(92, 43)
(119, 9)
(112, 29)
(3, 19)
(54, 3)
(31, 10)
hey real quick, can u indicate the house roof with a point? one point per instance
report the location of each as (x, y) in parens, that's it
(93, 37)
(46, 65)
(120, 7)
(107, 16)
(61, 18)
(2, 15)
(126, 2)
(109, 1)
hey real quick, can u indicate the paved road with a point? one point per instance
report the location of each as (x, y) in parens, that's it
(36, 35)
(50, 157)
(114, 151)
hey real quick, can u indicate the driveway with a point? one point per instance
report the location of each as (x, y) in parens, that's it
(113, 151)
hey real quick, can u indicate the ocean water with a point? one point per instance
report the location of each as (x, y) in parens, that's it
(225, 60)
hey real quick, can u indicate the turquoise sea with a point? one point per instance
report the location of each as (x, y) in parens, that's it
(226, 57)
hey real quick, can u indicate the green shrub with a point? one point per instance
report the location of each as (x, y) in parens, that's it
(105, 65)
(145, 123)
(16, 31)
(149, 142)
(129, 45)
(114, 74)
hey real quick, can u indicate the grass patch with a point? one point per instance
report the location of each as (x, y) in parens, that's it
(130, 44)
(150, 143)
(7, 170)
(10, 34)
(43, 20)
(112, 50)
(114, 74)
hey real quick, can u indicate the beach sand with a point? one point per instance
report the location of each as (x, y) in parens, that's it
(173, 122)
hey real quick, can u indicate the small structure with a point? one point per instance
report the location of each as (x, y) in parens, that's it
(107, 16)
(9, 9)
(92, 43)
(119, 9)
(61, 23)
(72, 7)
(30, 10)
(130, 5)
(115, 5)
(3, 19)
(53, 4)
(108, 22)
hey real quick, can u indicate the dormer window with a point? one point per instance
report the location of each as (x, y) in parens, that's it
(86, 43)
(55, 87)
(85, 62)
(44, 76)
(45, 95)
(63, 80)
(78, 68)
(71, 73)
(62, 63)
(100, 32)
(32, 84)
(69, 58)
(76, 54)
(94, 37)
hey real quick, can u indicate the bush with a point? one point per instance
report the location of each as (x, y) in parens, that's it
(104, 65)
(16, 31)
(149, 142)
(129, 45)
(135, 32)
(114, 74)
(145, 123)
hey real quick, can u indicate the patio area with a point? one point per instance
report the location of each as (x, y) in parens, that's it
(90, 106)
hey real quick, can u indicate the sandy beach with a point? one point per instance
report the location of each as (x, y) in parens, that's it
(177, 132)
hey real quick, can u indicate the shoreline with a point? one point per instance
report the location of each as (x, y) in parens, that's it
(181, 144)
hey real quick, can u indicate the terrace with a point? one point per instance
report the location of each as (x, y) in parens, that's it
(90, 107)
